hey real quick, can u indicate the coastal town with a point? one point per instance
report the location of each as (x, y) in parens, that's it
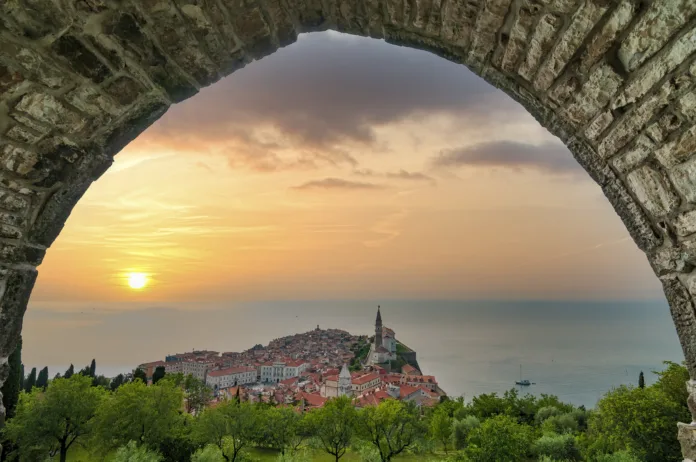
(307, 369)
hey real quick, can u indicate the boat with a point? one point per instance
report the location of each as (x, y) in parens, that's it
(521, 382)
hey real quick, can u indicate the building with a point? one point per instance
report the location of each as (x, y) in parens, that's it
(278, 371)
(198, 369)
(361, 384)
(379, 353)
(230, 377)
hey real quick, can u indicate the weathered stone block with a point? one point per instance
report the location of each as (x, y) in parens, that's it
(9, 78)
(685, 223)
(684, 179)
(687, 106)
(34, 65)
(598, 125)
(632, 215)
(23, 134)
(540, 44)
(601, 42)
(678, 150)
(637, 153)
(662, 19)
(81, 59)
(594, 95)
(484, 38)
(13, 202)
(687, 440)
(34, 18)
(18, 160)
(652, 189)
(50, 110)
(124, 90)
(90, 101)
(459, 19)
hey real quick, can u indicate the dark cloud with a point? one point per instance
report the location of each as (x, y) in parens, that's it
(548, 157)
(330, 88)
(337, 183)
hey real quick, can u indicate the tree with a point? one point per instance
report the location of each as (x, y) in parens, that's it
(281, 428)
(50, 422)
(13, 384)
(93, 368)
(461, 429)
(42, 379)
(638, 420)
(158, 374)
(140, 374)
(116, 382)
(332, 425)
(146, 415)
(22, 378)
(196, 393)
(69, 373)
(557, 447)
(133, 453)
(229, 426)
(30, 382)
(441, 427)
(391, 427)
(641, 380)
(672, 382)
(499, 438)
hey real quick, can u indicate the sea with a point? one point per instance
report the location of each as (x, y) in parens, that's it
(577, 350)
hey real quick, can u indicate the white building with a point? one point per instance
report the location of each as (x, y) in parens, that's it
(281, 370)
(231, 377)
(196, 369)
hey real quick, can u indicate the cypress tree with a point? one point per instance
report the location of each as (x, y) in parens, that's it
(42, 379)
(158, 374)
(31, 380)
(69, 373)
(14, 382)
(84, 372)
(140, 374)
(641, 380)
(117, 382)
(93, 368)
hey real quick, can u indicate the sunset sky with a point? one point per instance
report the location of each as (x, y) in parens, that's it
(344, 168)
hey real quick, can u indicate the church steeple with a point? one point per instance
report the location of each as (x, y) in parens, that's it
(378, 329)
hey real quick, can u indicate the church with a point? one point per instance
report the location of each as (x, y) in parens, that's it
(383, 349)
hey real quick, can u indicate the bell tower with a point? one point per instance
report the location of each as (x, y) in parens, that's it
(378, 329)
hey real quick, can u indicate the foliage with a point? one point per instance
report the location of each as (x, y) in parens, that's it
(640, 420)
(147, 415)
(117, 382)
(50, 422)
(42, 379)
(332, 425)
(209, 453)
(441, 427)
(93, 368)
(672, 382)
(69, 373)
(391, 427)
(499, 438)
(546, 412)
(131, 452)
(564, 423)
(461, 429)
(620, 456)
(13, 384)
(30, 381)
(641, 380)
(557, 447)
(230, 426)
(158, 374)
(139, 374)
(282, 429)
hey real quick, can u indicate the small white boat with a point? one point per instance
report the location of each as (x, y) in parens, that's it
(521, 382)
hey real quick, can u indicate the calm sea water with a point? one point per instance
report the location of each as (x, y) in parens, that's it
(576, 350)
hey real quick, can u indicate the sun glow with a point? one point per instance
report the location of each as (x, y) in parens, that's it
(137, 280)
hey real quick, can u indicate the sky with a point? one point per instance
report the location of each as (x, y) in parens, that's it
(343, 168)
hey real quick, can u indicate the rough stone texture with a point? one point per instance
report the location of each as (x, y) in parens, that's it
(613, 79)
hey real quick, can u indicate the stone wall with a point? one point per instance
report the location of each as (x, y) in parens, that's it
(613, 79)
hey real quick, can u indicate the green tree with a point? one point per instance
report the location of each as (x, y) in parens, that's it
(672, 382)
(557, 447)
(461, 429)
(332, 426)
(146, 415)
(638, 420)
(441, 427)
(391, 427)
(228, 426)
(42, 379)
(131, 452)
(13, 384)
(158, 374)
(51, 422)
(209, 453)
(116, 382)
(69, 373)
(545, 412)
(641, 380)
(282, 428)
(93, 368)
(30, 382)
(501, 439)
(139, 374)
(197, 394)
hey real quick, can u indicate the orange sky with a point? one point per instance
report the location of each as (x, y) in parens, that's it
(343, 167)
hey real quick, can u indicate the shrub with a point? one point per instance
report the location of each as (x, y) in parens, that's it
(210, 453)
(621, 456)
(564, 423)
(134, 453)
(557, 447)
(546, 412)
(500, 439)
(461, 430)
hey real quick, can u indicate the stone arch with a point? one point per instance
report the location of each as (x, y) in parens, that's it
(613, 79)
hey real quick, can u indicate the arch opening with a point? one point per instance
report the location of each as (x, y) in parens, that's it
(613, 80)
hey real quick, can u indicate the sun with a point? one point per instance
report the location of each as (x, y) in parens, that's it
(137, 280)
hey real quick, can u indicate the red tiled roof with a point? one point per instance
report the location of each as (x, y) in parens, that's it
(312, 399)
(406, 390)
(365, 378)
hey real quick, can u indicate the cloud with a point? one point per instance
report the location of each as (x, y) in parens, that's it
(323, 94)
(547, 157)
(399, 175)
(337, 183)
